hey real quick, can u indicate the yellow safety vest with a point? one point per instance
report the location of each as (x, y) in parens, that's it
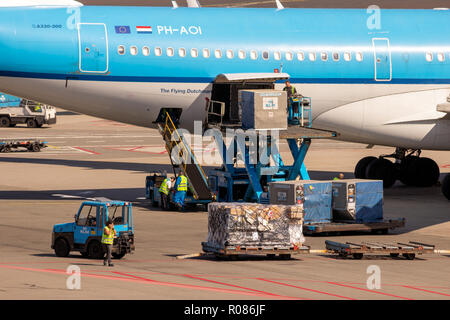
(183, 186)
(108, 239)
(163, 188)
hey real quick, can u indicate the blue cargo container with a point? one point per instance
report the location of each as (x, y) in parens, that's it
(314, 196)
(358, 200)
(7, 101)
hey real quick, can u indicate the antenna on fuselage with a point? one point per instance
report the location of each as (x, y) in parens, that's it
(174, 4)
(193, 4)
(279, 5)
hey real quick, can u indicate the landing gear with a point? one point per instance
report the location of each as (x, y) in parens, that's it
(446, 186)
(409, 168)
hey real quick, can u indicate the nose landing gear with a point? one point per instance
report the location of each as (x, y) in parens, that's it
(409, 168)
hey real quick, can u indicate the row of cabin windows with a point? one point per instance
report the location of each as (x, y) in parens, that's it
(277, 55)
(439, 56)
(242, 54)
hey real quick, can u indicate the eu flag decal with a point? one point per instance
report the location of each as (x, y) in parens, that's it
(123, 29)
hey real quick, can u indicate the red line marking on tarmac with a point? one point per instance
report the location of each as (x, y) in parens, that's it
(367, 290)
(138, 280)
(191, 286)
(307, 289)
(446, 166)
(86, 150)
(245, 288)
(429, 291)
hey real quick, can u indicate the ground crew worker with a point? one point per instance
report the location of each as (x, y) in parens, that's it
(164, 190)
(341, 177)
(181, 188)
(109, 233)
(291, 91)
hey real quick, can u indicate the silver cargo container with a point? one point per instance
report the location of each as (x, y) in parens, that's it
(263, 109)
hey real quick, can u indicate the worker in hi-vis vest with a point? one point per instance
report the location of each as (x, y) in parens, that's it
(181, 188)
(164, 190)
(109, 233)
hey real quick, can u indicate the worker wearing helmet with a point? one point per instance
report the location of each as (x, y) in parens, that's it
(109, 233)
(181, 188)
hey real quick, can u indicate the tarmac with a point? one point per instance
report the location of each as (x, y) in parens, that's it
(89, 157)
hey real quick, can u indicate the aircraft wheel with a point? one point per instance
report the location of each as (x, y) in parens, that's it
(446, 186)
(405, 177)
(423, 172)
(382, 169)
(361, 167)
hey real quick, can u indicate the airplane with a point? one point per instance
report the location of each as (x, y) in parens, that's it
(378, 77)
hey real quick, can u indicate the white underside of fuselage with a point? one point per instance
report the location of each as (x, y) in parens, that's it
(382, 114)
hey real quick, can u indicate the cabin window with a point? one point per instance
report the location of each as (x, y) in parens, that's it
(265, 55)
(441, 57)
(347, 56)
(146, 51)
(277, 55)
(336, 56)
(121, 50)
(242, 54)
(182, 52)
(324, 56)
(218, 53)
(133, 50)
(194, 53)
(230, 54)
(253, 55)
(359, 56)
(429, 56)
(206, 53)
(312, 56)
(158, 52)
(170, 52)
(289, 56)
(300, 56)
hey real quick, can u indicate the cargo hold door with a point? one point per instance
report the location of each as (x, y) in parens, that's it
(93, 47)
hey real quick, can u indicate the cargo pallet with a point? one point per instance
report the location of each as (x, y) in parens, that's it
(284, 252)
(352, 226)
(357, 250)
(30, 145)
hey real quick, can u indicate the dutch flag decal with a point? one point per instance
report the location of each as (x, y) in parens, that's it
(144, 29)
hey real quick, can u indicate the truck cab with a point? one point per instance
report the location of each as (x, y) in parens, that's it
(85, 233)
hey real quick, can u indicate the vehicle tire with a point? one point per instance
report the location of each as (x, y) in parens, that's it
(95, 250)
(382, 169)
(31, 123)
(358, 256)
(84, 254)
(36, 148)
(118, 256)
(424, 172)
(409, 256)
(62, 248)
(361, 166)
(5, 122)
(394, 255)
(446, 186)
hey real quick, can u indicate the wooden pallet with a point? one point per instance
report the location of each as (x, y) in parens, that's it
(282, 251)
(357, 250)
(350, 226)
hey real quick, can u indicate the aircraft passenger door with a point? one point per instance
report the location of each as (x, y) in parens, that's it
(93, 47)
(383, 62)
